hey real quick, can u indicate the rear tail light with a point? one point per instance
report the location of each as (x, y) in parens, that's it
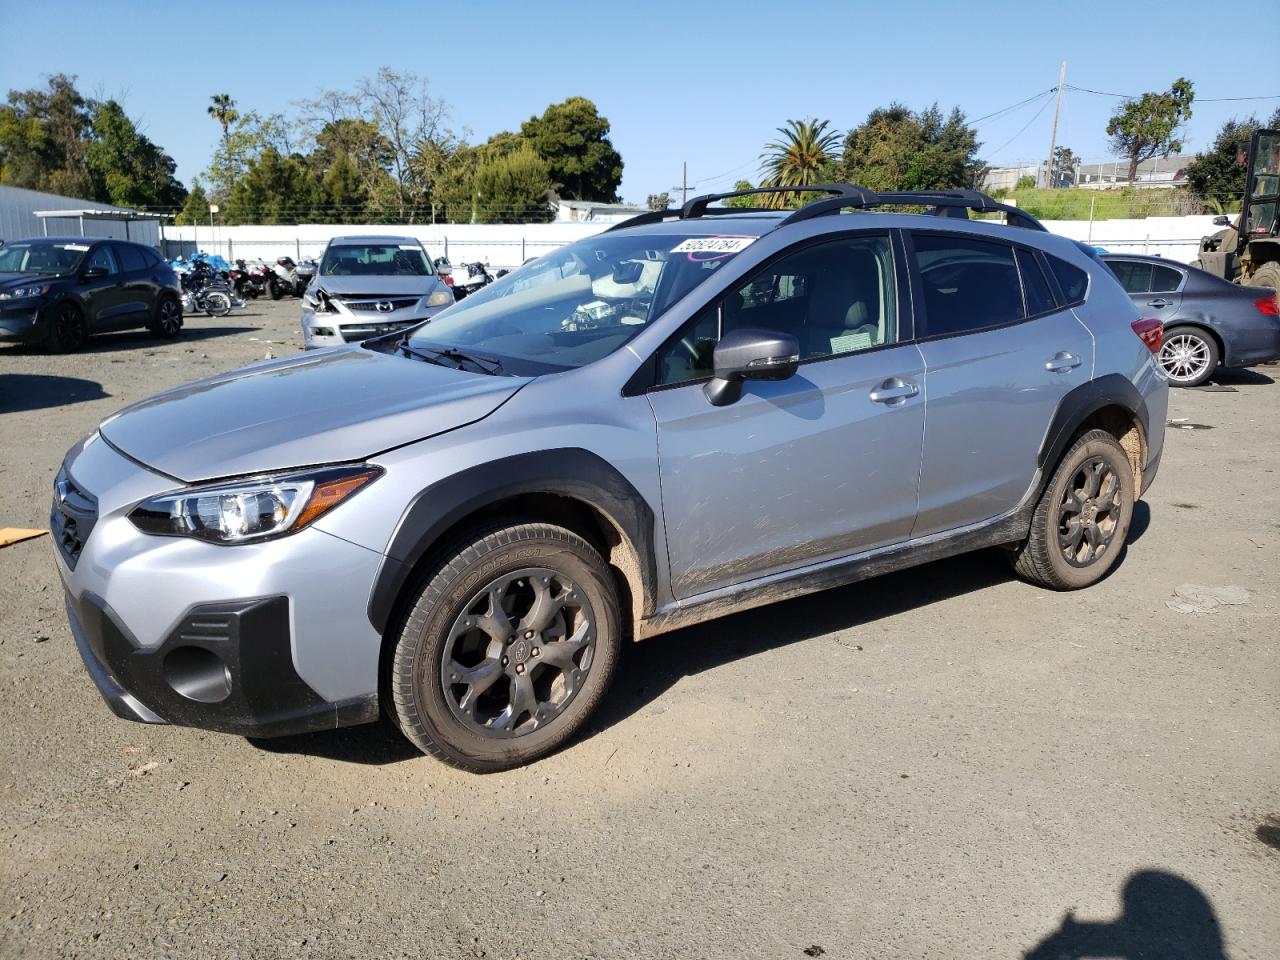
(1150, 331)
(1268, 305)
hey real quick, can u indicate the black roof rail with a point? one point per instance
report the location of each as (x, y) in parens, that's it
(698, 205)
(844, 196)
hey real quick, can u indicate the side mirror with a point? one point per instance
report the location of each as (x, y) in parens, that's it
(1222, 221)
(750, 355)
(93, 273)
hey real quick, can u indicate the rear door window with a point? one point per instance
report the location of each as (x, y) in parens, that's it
(1034, 286)
(969, 284)
(131, 258)
(1165, 279)
(1073, 281)
(1134, 275)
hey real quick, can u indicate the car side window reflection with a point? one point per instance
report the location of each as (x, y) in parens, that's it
(102, 257)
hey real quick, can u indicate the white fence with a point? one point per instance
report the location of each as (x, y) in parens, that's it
(509, 245)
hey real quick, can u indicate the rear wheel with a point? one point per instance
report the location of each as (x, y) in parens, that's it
(167, 320)
(508, 648)
(1188, 355)
(1267, 275)
(1081, 522)
(217, 303)
(276, 288)
(68, 331)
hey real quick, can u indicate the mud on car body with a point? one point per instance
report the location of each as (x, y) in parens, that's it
(696, 412)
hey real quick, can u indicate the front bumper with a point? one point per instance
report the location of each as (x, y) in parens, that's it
(255, 639)
(331, 329)
(20, 321)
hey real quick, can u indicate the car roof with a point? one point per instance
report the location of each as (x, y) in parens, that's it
(370, 238)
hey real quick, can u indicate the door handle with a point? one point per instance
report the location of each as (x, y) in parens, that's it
(894, 392)
(1062, 362)
(1158, 302)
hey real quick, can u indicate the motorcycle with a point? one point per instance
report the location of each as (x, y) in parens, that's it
(205, 291)
(290, 279)
(473, 277)
(249, 281)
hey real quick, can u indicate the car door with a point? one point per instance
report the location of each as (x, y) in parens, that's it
(1155, 289)
(795, 472)
(137, 297)
(1000, 353)
(103, 294)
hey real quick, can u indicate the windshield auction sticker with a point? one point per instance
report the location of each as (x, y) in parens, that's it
(720, 246)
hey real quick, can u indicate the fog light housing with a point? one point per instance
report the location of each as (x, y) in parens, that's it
(197, 674)
(322, 331)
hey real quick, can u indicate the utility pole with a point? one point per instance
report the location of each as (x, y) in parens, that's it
(1053, 137)
(684, 182)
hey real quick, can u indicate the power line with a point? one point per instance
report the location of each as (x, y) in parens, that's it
(1042, 109)
(1130, 96)
(1013, 107)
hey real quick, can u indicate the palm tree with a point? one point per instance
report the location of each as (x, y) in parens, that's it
(223, 109)
(800, 157)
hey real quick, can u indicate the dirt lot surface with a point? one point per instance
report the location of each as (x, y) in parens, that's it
(941, 763)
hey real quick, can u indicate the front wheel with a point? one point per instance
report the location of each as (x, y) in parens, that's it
(68, 331)
(1188, 356)
(276, 288)
(1081, 522)
(508, 647)
(217, 303)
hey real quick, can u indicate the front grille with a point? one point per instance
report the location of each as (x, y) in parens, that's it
(351, 332)
(373, 306)
(72, 518)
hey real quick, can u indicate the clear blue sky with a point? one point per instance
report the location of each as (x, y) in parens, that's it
(705, 82)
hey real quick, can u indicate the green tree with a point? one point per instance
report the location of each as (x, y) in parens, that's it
(44, 136)
(803, 155)
(574, 141)
(744, 203)
(196, 209)
(896, 148)
(345, 198)
(1218, 173)
(248, 135)
(1025, 183)
(274, 189)
(513, 188)
(1151, 124)
(658, 201)
(1065, 162)
(126, 167)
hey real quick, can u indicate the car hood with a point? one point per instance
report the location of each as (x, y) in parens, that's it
(18, 279)
(324, 407)
(378, 286)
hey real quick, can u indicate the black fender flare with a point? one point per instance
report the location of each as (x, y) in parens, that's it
(573, 473)
(1111, 390)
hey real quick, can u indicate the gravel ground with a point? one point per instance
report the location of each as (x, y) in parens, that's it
(941, 763)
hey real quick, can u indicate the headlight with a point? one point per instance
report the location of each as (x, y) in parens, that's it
(439, 298)
(318, 301)
(18, 293)
(254, 509)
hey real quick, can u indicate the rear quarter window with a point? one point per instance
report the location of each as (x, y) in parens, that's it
(1073, 281)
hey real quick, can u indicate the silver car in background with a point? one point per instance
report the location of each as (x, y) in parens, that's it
(369, 286)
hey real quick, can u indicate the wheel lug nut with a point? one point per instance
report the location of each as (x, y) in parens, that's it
(536, 652)
(528, 634)
(519, 668)
(505, 661)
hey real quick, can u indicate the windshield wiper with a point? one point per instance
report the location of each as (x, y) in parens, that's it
(409, 351)
(489, 365)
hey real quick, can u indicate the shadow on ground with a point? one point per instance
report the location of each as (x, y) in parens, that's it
(21, 392)
(193, 332)
(1164, 915)
(647, 670)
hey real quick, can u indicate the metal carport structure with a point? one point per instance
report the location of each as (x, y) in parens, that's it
(119, 215)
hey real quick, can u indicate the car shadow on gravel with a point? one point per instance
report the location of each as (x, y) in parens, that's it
(22, 392)
(648, 669)
(132, 340)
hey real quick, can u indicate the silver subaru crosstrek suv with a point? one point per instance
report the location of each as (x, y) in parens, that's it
(367, 286)
(693, 413)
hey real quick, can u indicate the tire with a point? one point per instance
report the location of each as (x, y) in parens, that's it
(541, 657)
(68, 330)
(276, 288)
(1090, 464)
(1268, 276)
(167, 320)
(217, 303)
(1188, 355)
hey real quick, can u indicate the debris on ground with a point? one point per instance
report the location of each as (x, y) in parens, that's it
(1195, 598)
(12, 535)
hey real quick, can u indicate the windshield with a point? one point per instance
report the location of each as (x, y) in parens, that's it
(580, 303)
(376, 260)
(46, 257)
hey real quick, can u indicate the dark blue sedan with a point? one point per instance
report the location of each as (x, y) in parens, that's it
(1208, 322)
